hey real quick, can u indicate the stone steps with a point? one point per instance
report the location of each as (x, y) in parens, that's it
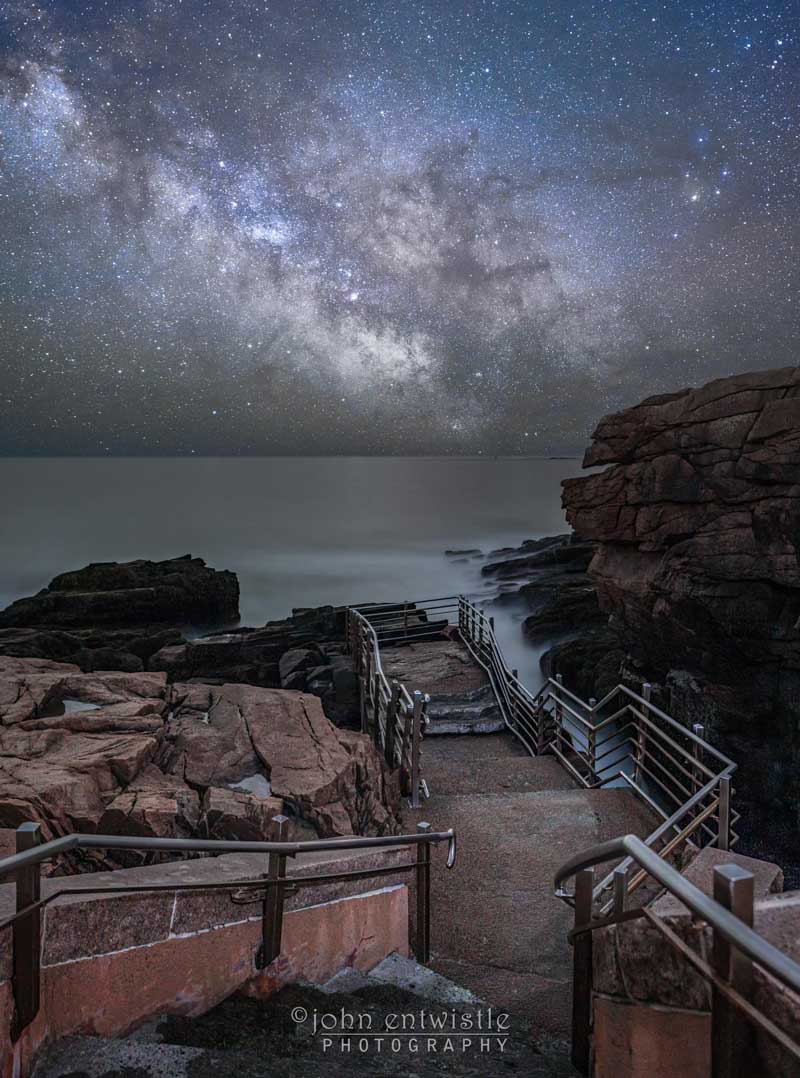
(471, 712)
(249, 1038)
(496, 925)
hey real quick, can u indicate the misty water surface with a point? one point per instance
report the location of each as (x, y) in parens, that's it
(297, 531)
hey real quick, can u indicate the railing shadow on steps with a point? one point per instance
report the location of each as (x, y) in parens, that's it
(736, 952)
(24, 868)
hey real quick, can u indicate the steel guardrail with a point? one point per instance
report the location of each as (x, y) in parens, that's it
(24, 868)
(622, 739)
(736, 947)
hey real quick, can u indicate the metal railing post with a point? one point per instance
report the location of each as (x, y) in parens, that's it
(422, 948)
(365, 688)
(375, 696)
(620, 889)
(724, 837)
(641, 738)
(731, 1033)
(362, 685)
(582, 974)
(27, 934)
(392, 716)
(416, 745)
(558, 713)
(592, 735)
(272, 914)
(697, 774)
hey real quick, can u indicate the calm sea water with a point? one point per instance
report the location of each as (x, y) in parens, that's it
(297, 531)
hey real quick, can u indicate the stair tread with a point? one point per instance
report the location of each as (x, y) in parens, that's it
(249, 1038)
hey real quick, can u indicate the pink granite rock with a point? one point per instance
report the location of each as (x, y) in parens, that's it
(124, 753)
(698, 521)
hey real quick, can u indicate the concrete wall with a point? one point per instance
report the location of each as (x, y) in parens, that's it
(652, 1010)
(111, 961)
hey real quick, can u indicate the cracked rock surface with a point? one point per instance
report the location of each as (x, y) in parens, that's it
(697, 517)
(128, 753)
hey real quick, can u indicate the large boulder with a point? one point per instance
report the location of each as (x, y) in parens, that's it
(306, 652)
(229, 735)
(70, 742)
(697, 516)
(128, 753)
(180, 591)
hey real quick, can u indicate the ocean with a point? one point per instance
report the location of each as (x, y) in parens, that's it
(298, 531)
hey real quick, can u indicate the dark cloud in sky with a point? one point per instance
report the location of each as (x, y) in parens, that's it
(376, 227)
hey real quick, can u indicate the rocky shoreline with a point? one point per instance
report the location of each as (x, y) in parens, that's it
(682, 570)
(134, 728)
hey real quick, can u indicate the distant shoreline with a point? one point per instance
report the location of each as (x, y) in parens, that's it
(289, 456)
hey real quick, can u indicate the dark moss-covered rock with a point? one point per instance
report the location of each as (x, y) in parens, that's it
(179, 591)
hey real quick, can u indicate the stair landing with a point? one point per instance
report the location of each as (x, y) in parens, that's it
(496, 926)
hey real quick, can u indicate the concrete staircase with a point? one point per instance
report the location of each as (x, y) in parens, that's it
(497, 928)
(248, 1038)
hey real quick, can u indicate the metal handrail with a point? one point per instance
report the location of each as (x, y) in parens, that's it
(394, 716)
(674, 769)
(270, 890)
(785, 969)
(729, 914)
(44, 851)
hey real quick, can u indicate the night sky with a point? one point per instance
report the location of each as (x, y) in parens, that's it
(386, 226)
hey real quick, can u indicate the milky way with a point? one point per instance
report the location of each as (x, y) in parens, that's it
(386, 227)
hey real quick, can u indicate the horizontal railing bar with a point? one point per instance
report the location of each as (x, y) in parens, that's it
(646, 754)
(730, 993)
(573, 770)
(684, 731)
(736, 932)
(262, 882)
(676, 761)
(672, 822)
(688, 756)
(361, 607)
(50, 849)
(676, 840)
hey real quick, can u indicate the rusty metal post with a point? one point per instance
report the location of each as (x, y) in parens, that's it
(422, 948)
(416, 746)
(272, 914)
(724, 837)
(582, 974)
(27, 934)
(392, 718)
(731, 1033)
